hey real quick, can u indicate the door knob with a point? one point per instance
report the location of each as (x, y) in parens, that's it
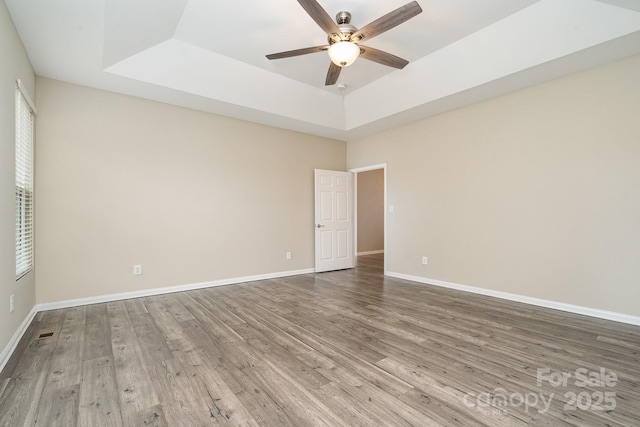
(319, 226)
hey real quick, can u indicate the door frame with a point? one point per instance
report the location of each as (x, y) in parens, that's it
(355, 172)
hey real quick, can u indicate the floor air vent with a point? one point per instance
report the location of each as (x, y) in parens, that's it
(46, 334)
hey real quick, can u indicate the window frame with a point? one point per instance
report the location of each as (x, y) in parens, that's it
(24, 181)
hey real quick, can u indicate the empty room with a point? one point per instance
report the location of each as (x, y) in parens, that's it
(320, 212)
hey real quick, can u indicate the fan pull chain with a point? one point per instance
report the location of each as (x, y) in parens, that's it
(342, 87)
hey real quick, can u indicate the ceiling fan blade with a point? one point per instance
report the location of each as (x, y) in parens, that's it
(332, 74)
(322, 18)
(382, 57)
(297, 52)
(387, 22)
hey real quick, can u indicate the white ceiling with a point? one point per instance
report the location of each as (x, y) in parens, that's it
(210, 55)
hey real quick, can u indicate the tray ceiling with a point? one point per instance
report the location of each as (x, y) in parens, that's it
(210, 56)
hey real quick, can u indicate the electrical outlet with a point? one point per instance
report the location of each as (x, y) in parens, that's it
(137, 269)
(289, 255)
(424, 260)
(12, 305)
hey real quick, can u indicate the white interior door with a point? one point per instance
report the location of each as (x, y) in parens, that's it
(334, 220)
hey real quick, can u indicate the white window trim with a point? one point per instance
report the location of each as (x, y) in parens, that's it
(25, 93)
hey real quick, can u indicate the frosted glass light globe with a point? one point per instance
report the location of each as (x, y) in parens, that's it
(344, 54)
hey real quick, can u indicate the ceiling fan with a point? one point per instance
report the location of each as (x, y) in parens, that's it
(344, 39)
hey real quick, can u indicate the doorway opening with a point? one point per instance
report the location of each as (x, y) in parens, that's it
(370, 201)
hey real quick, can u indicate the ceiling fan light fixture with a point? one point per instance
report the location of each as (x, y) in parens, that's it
(344, 53)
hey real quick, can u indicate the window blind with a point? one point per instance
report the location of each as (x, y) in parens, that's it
(24, 183)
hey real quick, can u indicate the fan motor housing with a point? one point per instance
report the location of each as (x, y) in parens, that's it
(343, 20)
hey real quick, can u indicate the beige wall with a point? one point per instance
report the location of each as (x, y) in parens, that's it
(190, 196)
(535, 193)
(371, 210)
(14, 64)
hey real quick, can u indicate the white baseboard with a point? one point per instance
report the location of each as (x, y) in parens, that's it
(167, 290)
(381, 251)
(15, 339)
(593, 312)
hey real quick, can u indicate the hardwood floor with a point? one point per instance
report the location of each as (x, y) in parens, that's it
(341, 348)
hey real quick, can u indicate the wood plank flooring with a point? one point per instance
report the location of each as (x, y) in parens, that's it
(348, 348)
